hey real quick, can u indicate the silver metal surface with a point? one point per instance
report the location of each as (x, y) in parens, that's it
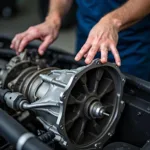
(10, 98)
(52, 80)
(97, 110)
(48, 92)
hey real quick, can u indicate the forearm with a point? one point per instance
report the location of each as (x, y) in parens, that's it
(58, 8)
(129, 13)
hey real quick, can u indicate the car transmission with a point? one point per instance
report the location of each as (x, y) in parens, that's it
(80, 106)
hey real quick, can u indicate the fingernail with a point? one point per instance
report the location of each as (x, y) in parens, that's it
(11, 46)
(41, 52)
(119, 63)
(76, 58)
(104, 59)
(19, 50)
(87, 61)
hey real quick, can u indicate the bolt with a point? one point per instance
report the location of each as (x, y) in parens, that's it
(109, 134)
(10, 85)
(118, 95)
(139, 113)
(97, 145)
(16, 60)
(64, 97)
(122, 102)
(97, 62)
(61, 127)
(7, 67)
(123, 80)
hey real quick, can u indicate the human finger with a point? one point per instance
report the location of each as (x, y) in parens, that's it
(115, 54)
(48, 40)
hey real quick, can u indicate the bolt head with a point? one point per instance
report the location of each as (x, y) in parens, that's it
(122, 102)
(109, 134)
(98, 62)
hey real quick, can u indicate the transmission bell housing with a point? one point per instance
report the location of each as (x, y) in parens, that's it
(80, 106)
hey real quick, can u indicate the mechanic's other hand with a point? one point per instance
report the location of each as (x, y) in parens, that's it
(102, 38)
(46, 32)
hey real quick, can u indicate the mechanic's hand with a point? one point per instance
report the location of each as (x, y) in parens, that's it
(46, 32)
(102, 38)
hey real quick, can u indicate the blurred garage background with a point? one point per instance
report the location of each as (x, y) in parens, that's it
(17, 15)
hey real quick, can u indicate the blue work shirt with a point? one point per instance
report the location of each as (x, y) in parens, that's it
(133, 44)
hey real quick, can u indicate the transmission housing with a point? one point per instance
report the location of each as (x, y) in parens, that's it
(80, 106)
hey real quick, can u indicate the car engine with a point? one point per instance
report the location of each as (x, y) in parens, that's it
(46, 107)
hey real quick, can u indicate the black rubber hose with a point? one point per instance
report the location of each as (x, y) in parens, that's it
(34, 144)
(7, 52)
(139, 83)
(2, 94)
(11, 130)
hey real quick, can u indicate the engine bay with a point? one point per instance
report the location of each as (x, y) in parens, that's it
(53, 102)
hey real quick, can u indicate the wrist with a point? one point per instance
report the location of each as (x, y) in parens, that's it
(116, 22)
(54, 18)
